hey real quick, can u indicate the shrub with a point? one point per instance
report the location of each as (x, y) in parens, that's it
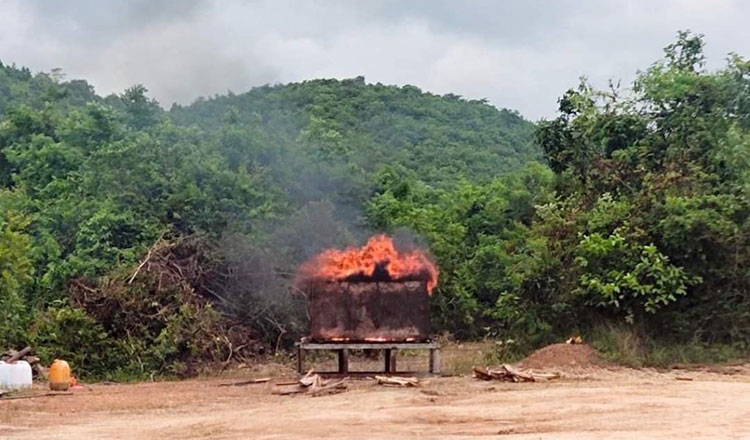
(64, 332)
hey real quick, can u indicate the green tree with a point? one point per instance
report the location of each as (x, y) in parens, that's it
(654, 207)
(15, 272)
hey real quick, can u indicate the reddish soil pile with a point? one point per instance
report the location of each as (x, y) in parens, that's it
(563, 355)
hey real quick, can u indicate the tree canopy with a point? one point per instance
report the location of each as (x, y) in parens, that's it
(242, 187)
(135, 240)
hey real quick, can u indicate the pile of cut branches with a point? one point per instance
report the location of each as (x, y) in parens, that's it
(508, 373)
(314, 385)
(158, 315)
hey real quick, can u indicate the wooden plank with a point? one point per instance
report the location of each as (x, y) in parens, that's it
(509, 373)
(18, 355)
(397, 381)
(482, 373)
(246, 382)
(34, 396)
(545, 376)
(334, 374)
(388, 347)
(368, 345)
(308, 379)
(293, 390)
(286, 383)
(329, 388)
(518, 375)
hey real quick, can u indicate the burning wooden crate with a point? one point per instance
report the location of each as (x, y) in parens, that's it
(396, 311)
(372, 298)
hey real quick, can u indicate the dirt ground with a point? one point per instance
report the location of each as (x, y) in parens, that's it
(586, 403)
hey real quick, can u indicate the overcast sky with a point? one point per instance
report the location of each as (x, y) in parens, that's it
(520, 55)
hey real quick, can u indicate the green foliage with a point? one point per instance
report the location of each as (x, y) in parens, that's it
(140, 111)
(655, 209)
(644, 224)
(480, 236)
(19, 86)
(348, 129)
(268, 178)
(15, 272)
(628, 276)
(62, 332)
(640, 221)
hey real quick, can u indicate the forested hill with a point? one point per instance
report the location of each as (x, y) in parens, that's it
(321, 138)
(438, 138)
(138, 241)
(368, 126)
(18, 86)
(226, 197)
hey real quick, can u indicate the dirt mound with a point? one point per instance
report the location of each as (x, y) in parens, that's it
(563, 355)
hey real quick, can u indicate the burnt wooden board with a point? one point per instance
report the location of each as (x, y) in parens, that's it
(361, 311)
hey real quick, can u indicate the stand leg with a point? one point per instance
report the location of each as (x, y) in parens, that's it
(435, 361)
(393, 361)
(300, 360)
(387, 360)
(344, 361)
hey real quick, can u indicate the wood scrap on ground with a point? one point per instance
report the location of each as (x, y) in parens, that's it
(288, 382)
(397, 381)
(33, 396)
(314, 385)
(329, 387)
(246, 382)
(308, 379)
(38, 369)
(11, 356)
(508, 373)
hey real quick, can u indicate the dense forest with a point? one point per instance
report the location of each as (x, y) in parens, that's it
(136, 241)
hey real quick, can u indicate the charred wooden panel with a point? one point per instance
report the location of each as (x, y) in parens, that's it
(359, 311)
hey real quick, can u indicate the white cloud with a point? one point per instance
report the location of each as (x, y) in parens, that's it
(518, 55)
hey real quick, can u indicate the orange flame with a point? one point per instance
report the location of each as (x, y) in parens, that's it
(378, 254)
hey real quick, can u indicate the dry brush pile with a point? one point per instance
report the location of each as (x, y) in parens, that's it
(159, 319)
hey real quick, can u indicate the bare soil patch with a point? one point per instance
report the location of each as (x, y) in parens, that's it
(563, 356)
(588, 403)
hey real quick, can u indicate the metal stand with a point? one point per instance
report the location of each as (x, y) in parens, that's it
(389, 350)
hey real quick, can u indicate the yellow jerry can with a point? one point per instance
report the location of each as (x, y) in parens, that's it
(59, 375)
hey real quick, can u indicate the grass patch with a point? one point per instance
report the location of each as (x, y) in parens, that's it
(622, 345)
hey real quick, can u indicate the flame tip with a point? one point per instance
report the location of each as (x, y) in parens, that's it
(377, 260)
